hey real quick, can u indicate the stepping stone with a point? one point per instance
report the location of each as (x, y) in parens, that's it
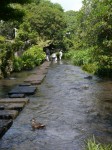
(8, 114)
(35, 78)
(23, 90)
(46, 64)
(36, 82)
(25, 84)
(44, 67)
(17, 95)
(14, 100)
(12, 106)
(40, 71)
(4, 126)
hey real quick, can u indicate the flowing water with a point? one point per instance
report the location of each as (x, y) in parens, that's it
(73, 108)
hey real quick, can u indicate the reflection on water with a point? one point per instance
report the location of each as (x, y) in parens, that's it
(72, 107)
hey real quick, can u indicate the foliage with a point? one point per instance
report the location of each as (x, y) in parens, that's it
(93, 145)
(8, 11)
(71, 29)
(6, 58)
(85, 34)
(7, 29)
(92, 27)
(17, 64)
(44, 28)
(25, 37)
(100, 65)
(79, 57)
(105, 65)
(48, 22)
(91, 67)
(2, 39)
(30, 58)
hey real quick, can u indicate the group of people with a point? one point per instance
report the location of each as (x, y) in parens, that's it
(53, 57)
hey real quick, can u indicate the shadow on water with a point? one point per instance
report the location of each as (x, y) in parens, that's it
(72, 107)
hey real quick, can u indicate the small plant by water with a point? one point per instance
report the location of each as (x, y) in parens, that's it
(93, 145)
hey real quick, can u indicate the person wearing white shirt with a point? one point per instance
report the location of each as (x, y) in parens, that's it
(60, 54)
(54, 57)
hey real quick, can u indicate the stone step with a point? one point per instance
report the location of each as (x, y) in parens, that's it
(25, 84)
(41, 71)
(29, 90)
(46, 64)
(12, 106)
(14, 100)
(35, 78)
(17, 95)
(8, 114)
(4, 126)
(36, 82)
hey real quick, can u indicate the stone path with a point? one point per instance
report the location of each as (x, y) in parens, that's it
(10, 107)
(28, 90)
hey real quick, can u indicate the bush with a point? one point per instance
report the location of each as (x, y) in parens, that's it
(6, 59)
(33, 57)
(17, 64)
(90, 67)
(2, 39)
(88, 59)
(79, 57)
(104, 66)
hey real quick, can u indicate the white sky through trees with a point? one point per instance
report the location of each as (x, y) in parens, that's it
(69, 4)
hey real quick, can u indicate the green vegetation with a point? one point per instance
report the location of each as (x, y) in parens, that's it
(83, 58)
(29, 59)
(42, 23)
(85, 35)
(90, 31)
(93, 145)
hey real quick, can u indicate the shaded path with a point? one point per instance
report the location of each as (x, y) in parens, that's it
(73, 109)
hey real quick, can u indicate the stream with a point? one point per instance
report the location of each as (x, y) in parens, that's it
(73, 107)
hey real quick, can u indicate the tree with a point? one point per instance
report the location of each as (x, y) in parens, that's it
(48, 22)
(93, 28)
(9, 11)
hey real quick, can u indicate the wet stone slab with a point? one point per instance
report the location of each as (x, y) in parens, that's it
(25, 84)
(14, 100)
(46, 64)
(17, 95)
(34, 78)
(37, 82)
(8, 114)
(12, 106)
(41, 71)
(29, 90)
(4, 126)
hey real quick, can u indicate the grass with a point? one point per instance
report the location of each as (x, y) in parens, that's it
(93, 145)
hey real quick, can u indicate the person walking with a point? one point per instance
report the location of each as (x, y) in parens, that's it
(54, 57)
(60, 54)
(47, 54)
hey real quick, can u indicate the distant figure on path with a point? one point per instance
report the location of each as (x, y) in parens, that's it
(54, 57)
(60, 54)
(47, 54)
(15, 32)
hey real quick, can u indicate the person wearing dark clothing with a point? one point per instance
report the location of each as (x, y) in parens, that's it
(47, 54)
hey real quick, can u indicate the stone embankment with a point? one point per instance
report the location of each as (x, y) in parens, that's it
(10, 107)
